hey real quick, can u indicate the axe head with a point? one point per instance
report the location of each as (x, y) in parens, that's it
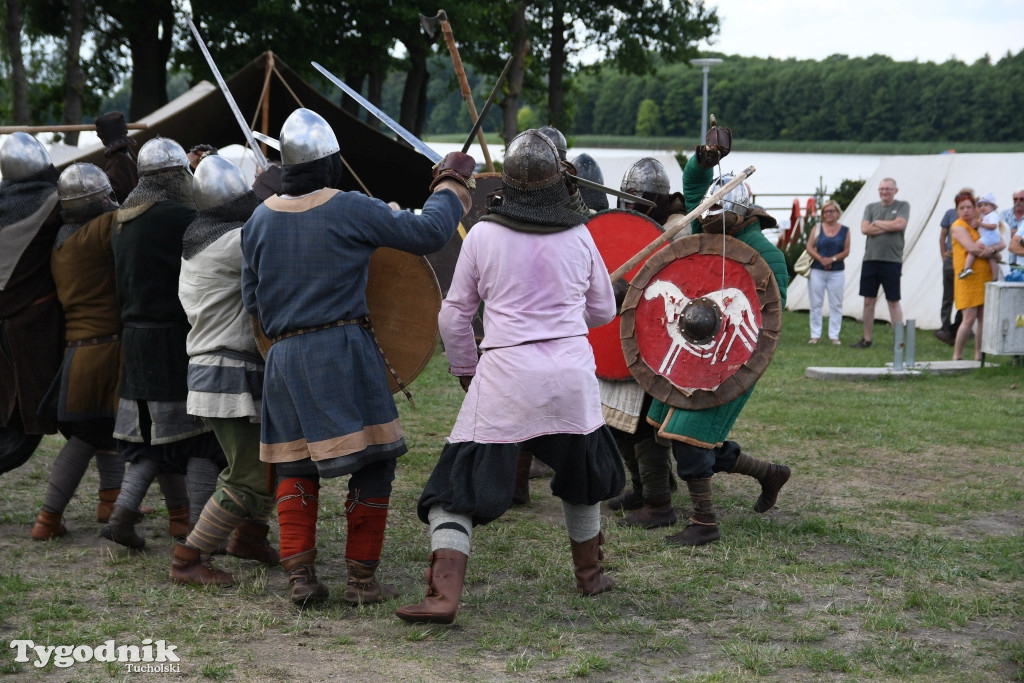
(430, 24)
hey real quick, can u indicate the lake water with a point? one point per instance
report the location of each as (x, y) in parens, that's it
(793, 176)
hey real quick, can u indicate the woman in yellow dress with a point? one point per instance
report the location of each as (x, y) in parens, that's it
(969, 292)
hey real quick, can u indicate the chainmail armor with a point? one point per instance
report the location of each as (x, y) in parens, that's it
(21, 199)
(545, 209)
(77, 217)
(172, 185)
(211, 224)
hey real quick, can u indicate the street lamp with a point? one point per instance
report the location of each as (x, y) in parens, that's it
(705, 65)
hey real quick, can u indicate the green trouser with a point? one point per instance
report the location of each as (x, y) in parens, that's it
(242, 488)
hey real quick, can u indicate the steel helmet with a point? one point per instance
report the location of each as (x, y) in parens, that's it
(161, 154)
(557, 139)
(647, 177)
(531, 162)
(22, 156)
(306, 136)
(82, 184)
(217, 181)
(737, 200)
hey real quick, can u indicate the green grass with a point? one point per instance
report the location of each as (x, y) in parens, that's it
(895, 553)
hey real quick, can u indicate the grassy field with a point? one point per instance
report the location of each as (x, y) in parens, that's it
(895, 553)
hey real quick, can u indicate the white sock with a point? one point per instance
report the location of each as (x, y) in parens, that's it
(582, 522)
(453, 532)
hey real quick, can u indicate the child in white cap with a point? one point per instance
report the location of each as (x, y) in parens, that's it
(988, 231)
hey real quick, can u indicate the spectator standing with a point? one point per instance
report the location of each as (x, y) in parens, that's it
(828, 245)
(950, 323)
(884, 224)
(969, 292)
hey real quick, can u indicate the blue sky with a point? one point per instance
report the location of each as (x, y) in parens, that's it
(925, 30)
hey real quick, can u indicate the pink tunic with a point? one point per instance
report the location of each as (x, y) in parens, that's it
(536, 374)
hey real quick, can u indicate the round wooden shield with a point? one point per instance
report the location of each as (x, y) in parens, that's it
(404, 299)
(701, 321)
(619, 235)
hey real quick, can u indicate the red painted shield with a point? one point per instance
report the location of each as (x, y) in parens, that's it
(619, 235)
(691, 371)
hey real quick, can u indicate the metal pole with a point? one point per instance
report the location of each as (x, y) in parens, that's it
(705, 65)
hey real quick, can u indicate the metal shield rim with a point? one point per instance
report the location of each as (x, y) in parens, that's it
(769, 300)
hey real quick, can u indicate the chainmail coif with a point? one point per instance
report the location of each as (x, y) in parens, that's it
(210, 224)
(173, 185)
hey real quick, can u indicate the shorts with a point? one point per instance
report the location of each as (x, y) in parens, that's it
(884, 273)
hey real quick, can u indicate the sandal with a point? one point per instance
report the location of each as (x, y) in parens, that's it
(836, 342)
(813, 341)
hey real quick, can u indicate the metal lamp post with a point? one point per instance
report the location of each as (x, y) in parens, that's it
(705, 65)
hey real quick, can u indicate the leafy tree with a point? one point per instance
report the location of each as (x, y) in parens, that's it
(648, 119)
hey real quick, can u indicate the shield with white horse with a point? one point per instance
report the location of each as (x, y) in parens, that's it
(701, 321)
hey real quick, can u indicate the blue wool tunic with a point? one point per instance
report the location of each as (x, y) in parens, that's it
(326, 393)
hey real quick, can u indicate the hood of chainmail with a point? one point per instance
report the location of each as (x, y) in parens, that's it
(174, 185)
(79, 216)
(594, 199)
(21, 199)
(211, 224)
(545, 209)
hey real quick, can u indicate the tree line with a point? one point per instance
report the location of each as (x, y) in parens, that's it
(640, 84)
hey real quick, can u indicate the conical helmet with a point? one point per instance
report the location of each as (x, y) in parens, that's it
(82, 184)
(531, 162)
(22, 156)
(306, 136)
(647, 177)
(217, 181)
(161, 154)
(737, 200)
(557, 139)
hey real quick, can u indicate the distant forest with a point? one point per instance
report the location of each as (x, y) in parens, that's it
(873, 99)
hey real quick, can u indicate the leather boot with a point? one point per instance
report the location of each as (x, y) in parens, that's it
(771, 484)
(521, 492)
(363, 587)
(629, 500)
(188, 567)
(301, 572)
(106, 505)
(121, 528)
(586, 560)
(48, 525)
(656, 512)
(702, 527)
(178, 524)
(249, 542)
(445, 578)
(772, 478)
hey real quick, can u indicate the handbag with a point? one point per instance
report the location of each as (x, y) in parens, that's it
(803, 264)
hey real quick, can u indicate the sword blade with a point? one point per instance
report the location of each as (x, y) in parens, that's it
(583, 182)
(416, 143)
(261, 160)
(267, 140)
(487, 105)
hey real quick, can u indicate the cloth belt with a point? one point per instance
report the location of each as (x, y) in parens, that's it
(532, 341)
(92, 342)
(363, 320)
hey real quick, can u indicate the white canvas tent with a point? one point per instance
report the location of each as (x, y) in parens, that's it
(929, 183)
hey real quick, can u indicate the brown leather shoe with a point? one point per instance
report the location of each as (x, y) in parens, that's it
(106, 505)
(301, 570)
(630, 500)
(363, 588)
(445, 578)
(771, 484)
(249, 542)
(121, 528)
(48, 525)
(586, 560)
(654, 514)
(188, 567)
(701, 530)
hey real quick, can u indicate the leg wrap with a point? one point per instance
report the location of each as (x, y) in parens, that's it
(297, 511)
(449, 531)
(700, 494)
(582, 522)
(174, 488)
(68, 470)
(212, 529)
(110, 467)
(655, 465)
(137, 478)
(367, 519)
(750, 466)
(200, 482)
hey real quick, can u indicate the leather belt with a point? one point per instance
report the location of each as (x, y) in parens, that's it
(92, 342)
(363, 320)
